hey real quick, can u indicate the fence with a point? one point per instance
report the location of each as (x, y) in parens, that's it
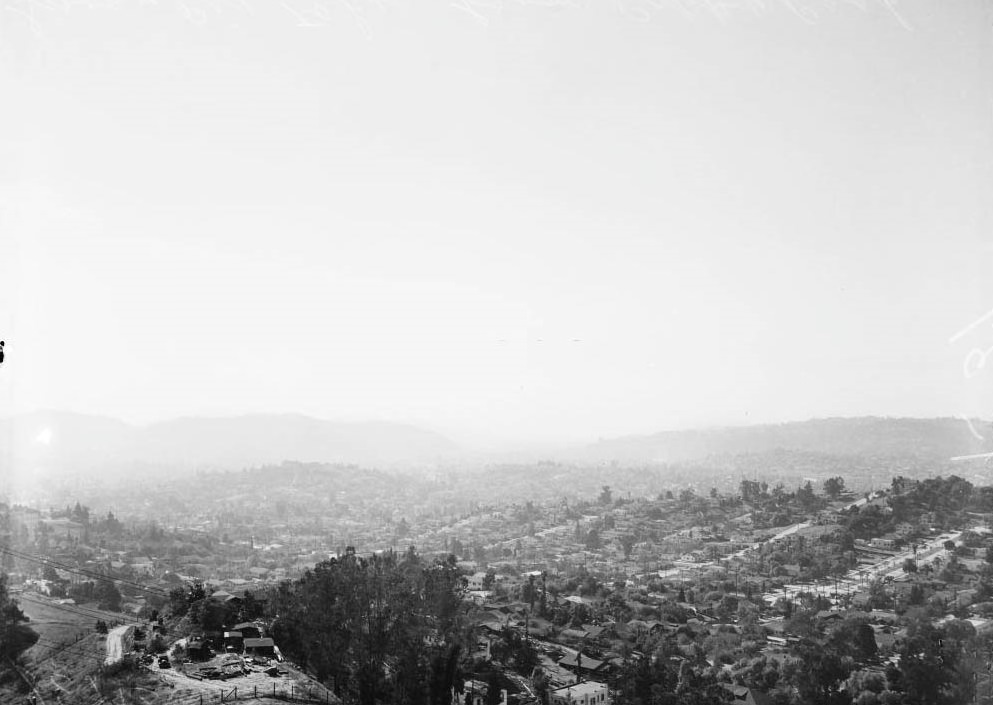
(293, 693)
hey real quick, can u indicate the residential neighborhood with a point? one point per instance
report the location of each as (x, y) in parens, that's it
(584, 601)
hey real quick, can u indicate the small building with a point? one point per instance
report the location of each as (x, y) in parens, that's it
(233, 641)
(476, 581)
(474, 693)
(747, 696)
(583, 665)
(197, 649)
(260, 647)
(249, 630)
(224, 596)
(584, 693)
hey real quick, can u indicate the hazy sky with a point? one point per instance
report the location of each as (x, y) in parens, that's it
(515, 219)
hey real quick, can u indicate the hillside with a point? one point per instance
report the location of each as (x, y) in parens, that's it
(57, 444)
(931, 439)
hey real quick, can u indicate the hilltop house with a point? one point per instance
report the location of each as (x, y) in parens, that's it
(585, 693)
(260, 647)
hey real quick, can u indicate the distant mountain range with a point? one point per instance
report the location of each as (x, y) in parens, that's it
(61, 443)
(937, 439)
(54, 444)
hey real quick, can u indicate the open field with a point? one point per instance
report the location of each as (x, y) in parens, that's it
(67, 652)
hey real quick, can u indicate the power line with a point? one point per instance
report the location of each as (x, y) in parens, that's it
(81, 571)
(56, 648)
(78, 610)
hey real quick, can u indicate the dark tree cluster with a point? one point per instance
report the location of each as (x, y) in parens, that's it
(388, 628)
(16, 636)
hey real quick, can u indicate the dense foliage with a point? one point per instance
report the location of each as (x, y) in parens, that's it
(15, 636)
(385, 628)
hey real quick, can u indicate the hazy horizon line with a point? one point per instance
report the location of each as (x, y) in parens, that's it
(454, 434)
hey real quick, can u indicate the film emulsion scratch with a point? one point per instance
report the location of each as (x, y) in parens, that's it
(324, 13)
(973, 364)
(495, 352)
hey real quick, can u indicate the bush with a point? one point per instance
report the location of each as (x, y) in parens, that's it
(128, 664)
(157, 645)
(112, 676)
(101, 627)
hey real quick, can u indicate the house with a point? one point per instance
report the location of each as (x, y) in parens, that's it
(747, 696)
(233, 640)
(260, 647)
(143, 565)
(223, 596)
(475, 581)
(249, 630)
(24, 521)
(651, 627)
(582, 664)
(584, 693)
(197, 649)
(475, 693)
(595, 632)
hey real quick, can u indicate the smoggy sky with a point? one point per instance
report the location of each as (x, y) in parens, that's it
(495, 218)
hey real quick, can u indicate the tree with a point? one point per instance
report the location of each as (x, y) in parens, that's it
(179, 605)
(909, 565)
(15, 636)
(593, 540)
(823, 673)
(750, 490)
(605, 495)
(627, 544)
(927, 672)
(107, 595)
(834, 486)
(493, 688)
(196, 592)
(387, 628)
(805, 495)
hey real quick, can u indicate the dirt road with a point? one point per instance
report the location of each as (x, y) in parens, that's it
(119, 642)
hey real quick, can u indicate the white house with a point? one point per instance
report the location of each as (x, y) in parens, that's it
(585, 693)
(476, 580)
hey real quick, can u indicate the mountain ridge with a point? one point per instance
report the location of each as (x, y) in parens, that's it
(938, 438)
(62, 443)
(58, 443)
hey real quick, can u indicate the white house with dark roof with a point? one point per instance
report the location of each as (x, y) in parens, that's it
(584, 693)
